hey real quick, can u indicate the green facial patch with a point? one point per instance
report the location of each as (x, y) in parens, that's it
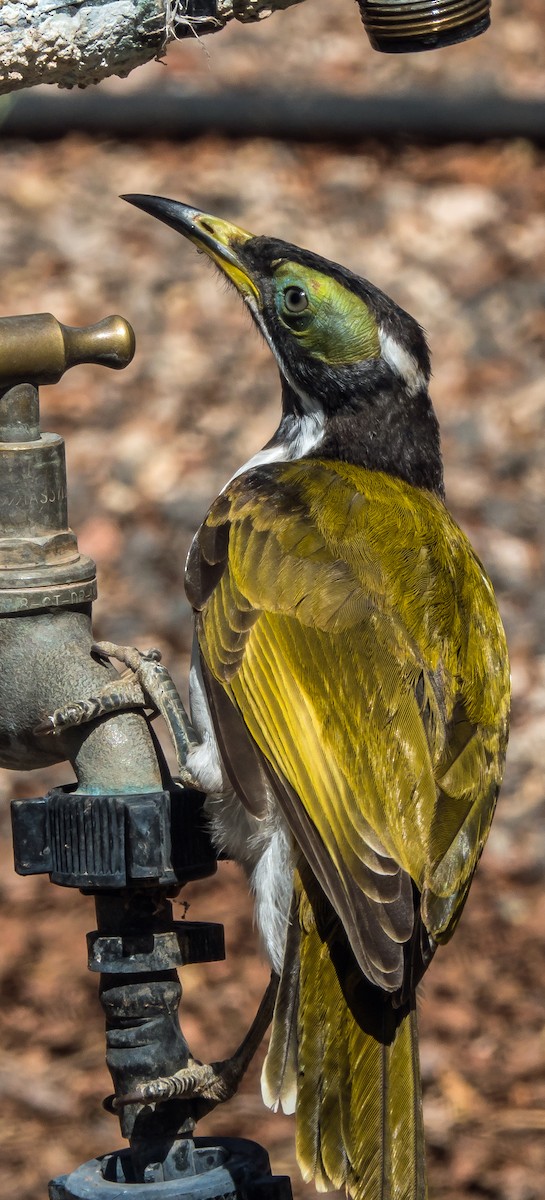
(329, 320)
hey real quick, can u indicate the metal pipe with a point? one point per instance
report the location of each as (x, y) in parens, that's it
(305, 117)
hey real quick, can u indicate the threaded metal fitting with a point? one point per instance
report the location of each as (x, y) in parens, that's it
(403, 26)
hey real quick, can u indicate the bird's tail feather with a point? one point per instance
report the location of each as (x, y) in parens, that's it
(279, 1075)
(359, 1112)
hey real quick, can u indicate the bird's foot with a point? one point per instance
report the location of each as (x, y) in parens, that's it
(212, 1082)
(145, 683)
(122, 693)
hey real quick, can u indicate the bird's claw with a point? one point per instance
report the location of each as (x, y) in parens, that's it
(213, 1082)
(209, 1082)
(145, 683)
(129, 655)
(161, 694)
(62, 718)
(116, 695)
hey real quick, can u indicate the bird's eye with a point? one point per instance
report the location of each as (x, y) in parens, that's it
(295, 299)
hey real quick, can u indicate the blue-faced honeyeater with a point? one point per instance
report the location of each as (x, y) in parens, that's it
(350, 693)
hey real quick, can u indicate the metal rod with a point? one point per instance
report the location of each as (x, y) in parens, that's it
(305, 117)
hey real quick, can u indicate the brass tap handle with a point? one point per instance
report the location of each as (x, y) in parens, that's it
(38, 349)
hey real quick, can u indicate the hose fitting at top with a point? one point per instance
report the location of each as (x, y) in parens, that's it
(405, 26)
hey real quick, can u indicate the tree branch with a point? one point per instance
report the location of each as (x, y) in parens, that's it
(78, 42)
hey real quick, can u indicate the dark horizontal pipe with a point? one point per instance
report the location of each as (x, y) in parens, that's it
(304, 116)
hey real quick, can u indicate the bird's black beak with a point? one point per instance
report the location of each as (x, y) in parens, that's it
(219, 239)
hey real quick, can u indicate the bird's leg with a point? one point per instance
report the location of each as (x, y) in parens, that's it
(213, 1082)
(145, 684)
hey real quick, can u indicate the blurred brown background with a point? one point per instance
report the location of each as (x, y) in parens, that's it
(457, 235)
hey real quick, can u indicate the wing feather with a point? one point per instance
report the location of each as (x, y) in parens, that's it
(345, 618)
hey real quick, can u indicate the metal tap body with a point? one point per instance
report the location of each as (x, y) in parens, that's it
(124, 832)
(46, 585)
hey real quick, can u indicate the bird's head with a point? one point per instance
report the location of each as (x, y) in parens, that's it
(354, 366)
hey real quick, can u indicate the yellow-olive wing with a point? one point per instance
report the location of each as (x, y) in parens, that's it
(356, 666)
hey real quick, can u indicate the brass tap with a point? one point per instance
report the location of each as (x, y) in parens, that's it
(40, 564)
(39, 349)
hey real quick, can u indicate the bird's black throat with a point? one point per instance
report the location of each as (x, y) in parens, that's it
(379, 427)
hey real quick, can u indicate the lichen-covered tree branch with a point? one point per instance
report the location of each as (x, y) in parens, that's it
(78, 42)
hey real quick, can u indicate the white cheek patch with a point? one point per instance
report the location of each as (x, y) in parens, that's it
(402, 362)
